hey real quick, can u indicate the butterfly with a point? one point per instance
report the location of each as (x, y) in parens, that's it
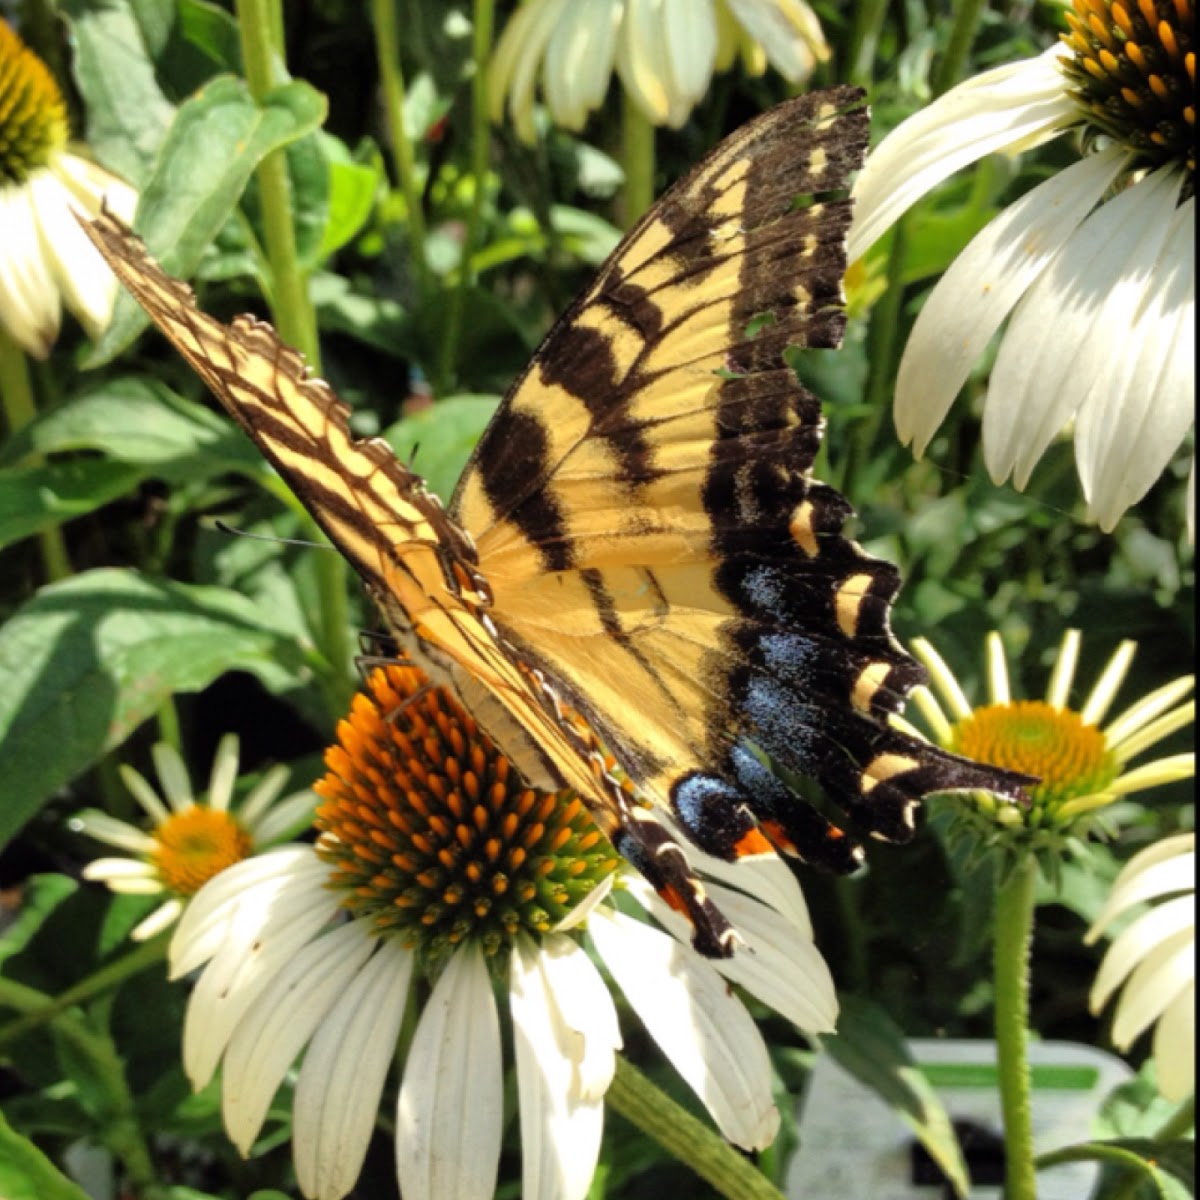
(637, 538)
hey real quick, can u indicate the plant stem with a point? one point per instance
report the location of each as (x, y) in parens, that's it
(637, 161)
(962, 34)
(1013, 938)
(95, 1047)
(16, 396)
(864, 40)
(480, 144)
(387, 52)
(260, 23)
(690, 1141)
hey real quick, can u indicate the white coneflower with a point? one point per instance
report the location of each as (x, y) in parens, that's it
(190, 840)
(1083, 761)
(1153, 959)
(436, 860)
(45, 257)
(1094, 268)
(664, 51)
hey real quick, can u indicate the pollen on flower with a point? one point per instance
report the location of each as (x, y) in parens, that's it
(433, 834)
(196, 844)
(1133, 72)
(33, 113)
(1070, 757)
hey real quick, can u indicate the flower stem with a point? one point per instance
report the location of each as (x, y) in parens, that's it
(480, 144)
(962, 34)
(16, 396)
(260, 23)
(690, 1141)
(637, 161)
(387, 52)
(1013, 938)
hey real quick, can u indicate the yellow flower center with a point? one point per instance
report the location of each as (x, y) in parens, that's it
(196, 844)
(433, 834)
(1133, 72)
(1072, 759)
(33, 113)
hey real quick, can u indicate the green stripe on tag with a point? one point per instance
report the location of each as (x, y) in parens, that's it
(1056, 1077)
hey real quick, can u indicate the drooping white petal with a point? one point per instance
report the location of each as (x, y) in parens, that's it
(690, 40)
(92, 187)
(450, 1111)
(1155, 983)
(163, 917)
(280, 1022)
(700, 1026)
(1014, 106)
(30, 307)
(1140, 402)
(113, 832)
(1164, 868)
(1137, 941)
(579, 60)
(144, 794)
(587, 1030)
(560, 1127)
(261, 936)
(1065, 332)
(340, 1084)
(254, 882)
(980, 288)
(789, 32)
(640, 54)
(518, 57)
(784, 969)
(1175, 1046)
(283, 820)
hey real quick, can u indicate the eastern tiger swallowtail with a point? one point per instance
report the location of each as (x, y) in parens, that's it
(637, 536)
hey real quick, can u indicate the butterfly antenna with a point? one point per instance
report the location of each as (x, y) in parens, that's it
(225, 527)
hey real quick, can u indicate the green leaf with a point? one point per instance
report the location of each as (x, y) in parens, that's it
(134, 419)
(127, 113)
(36, 498)
(215, 143)
(872, 1048)
(439, 439)
(376, 320)
(40, 896)
(352, 188)
(213, 31)
(1168, 1168)
(88, 660)
(27, 1174)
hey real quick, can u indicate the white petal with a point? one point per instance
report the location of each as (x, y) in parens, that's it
(579, 60)
(1137, 941)
(144, 794)
(279, 1023)
(517, 59)
(1175, 1047)
(450, 1111)
(641, 53)
(173, 776)
(1161, 873)
(560, 1128)
(690, 36)
(980, 288)
(782, 968)
(1062, 333)
(341, 1082)
(224, 773)
(697, 1022)
(788, 31)
(1155, 983)
(283, 820)
(92, 187)
(1140, 403)
(163, 917)
(110, 870)
(1016, 105)
(200, 931)
(30, 308)
(113, 832)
